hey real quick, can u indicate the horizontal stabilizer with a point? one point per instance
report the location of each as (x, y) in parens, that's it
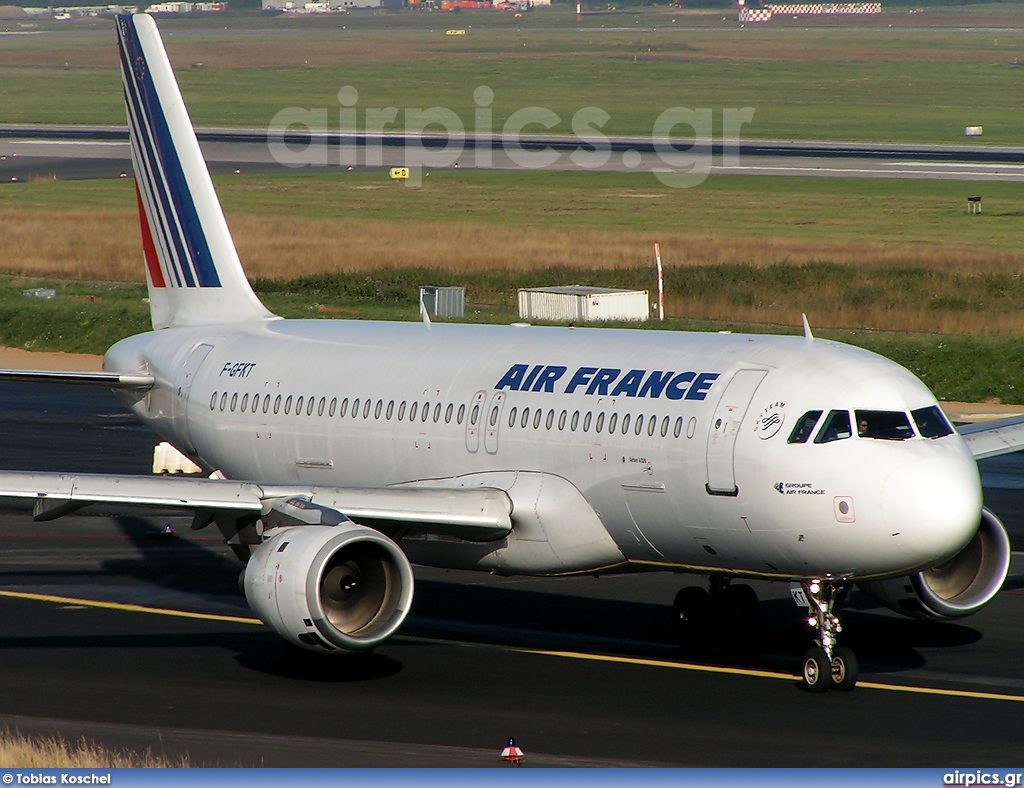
(481, 514)
(110, 380)
(993, 438)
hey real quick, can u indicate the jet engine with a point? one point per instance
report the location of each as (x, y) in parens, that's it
(334, 588)
(955, 588)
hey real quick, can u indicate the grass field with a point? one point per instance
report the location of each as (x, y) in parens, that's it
(915, 83)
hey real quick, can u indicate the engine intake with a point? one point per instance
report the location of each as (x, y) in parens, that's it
(336, 588)
(955, 588)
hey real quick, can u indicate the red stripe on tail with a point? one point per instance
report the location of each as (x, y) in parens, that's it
(156, 276)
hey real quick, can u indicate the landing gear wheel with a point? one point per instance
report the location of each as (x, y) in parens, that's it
(744, 610)
(691, 616)
(817, 672)
(844, 669)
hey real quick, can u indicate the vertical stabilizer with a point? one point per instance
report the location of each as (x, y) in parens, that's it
(192, 268)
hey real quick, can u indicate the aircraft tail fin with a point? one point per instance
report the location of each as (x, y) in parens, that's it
(192, 267)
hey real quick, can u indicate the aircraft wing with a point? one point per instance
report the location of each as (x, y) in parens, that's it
(110, 380)
(992, 438)
(480, 514)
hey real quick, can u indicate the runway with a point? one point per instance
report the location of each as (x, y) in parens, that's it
(579, 671)
(80, 153)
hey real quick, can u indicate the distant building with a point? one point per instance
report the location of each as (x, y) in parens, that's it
(186, 8)
(319, 6)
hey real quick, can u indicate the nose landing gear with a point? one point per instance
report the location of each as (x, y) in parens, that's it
(827, 665)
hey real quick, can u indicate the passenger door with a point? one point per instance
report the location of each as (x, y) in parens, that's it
(725, 427)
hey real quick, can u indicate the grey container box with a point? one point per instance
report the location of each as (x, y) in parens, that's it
(444, 301)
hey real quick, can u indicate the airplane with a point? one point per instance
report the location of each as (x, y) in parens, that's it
(345, 451)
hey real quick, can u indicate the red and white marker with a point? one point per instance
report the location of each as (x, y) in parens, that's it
(511, 753)
(661, 289)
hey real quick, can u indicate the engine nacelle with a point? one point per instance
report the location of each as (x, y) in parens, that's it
(958, 587)
(330, 588)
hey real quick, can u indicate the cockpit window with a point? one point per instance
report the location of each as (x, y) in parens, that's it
(804, 427)
(887, 425)
(835, 428)
(931, 422)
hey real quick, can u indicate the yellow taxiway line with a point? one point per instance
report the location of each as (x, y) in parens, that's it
(642, 661)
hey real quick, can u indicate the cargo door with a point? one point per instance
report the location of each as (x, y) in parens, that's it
(725, 427)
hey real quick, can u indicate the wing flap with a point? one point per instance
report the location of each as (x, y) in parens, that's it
(993, 438)
(481, 514)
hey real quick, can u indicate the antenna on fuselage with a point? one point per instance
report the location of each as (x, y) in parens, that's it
(807, 329)
(423, 312)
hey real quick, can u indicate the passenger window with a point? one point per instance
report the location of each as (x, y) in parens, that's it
(494, 415)
(886, 425)
(462, 414)
(298, 407)
(344, 408)
(390, 411)
(536, 418)
(266, 403)
(600, 423)
(612, 422)
(321, 406)
(401, 411)
(234, 401)
(575, 421)
(625, 424)
(437, 412)
(332, 407)
(586, 421)
(561, 420)
(664, 426)
(256, 402)
(309, 406)
(277, 404)
(638, 425)
(550, 420)
(223, 400)
(213, 401)
(377, 410)
(804, 427)
(835, 428)
(355, 408)
(245, 403)
(415, 406)
(931, 422)
(366, 408)
(512, 417)
(288, 405)
(652, 425)
(526, 418)
(448, 413)
(426, 413)
(678, 428)
(472, 416)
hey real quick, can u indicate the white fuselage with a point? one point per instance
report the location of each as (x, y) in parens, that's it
(677, 441)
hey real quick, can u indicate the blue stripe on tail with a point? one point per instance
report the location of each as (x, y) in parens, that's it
(170, 191)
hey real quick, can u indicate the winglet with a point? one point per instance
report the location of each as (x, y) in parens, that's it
(807, 330)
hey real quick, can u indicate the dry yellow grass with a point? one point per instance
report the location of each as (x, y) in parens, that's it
(105, 246)
(54, 752)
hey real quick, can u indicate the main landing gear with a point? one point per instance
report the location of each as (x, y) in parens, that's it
(726, 614)
(827, 665)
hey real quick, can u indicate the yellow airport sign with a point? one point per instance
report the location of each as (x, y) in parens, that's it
(455, 33)
(397, 173)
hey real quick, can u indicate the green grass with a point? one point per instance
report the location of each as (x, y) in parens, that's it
(969, 369)
(916, 86)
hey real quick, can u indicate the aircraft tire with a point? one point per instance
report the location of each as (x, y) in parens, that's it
(816, 675)
(844, 669)
(691, 617)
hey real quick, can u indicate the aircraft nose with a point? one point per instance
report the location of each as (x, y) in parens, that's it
(932, 506)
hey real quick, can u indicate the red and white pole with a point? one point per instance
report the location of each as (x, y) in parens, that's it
(661, 289)
(578, 17)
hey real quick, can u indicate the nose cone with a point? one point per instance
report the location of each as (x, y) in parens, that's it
(932, 506)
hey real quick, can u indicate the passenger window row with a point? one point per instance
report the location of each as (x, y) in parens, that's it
(639, 423)
(890, 425)
(360, 408)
